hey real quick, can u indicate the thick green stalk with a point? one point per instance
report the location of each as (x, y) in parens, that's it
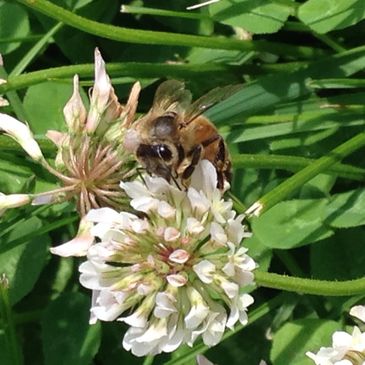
(321, 165)
(164, 38)
(310, 286)
(137, 69)
(11, 340)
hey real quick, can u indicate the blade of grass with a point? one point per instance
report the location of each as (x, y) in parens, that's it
(33, 52)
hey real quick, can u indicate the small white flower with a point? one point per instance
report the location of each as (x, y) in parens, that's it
(345, 347)
(189, 259)
(22, 134)
(13, 201)
(79, 245)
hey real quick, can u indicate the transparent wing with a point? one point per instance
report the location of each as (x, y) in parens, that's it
(170, 95)
(208, 100)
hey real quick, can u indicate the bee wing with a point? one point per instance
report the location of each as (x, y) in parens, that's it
(170, 96)
(208, 100)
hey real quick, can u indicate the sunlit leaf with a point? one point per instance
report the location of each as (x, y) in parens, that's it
(325, 15)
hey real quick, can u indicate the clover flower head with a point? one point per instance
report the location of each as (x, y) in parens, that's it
(175, 270)
(346, 349)
(90, 160)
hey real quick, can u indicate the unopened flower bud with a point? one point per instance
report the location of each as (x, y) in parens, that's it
(13, 201)
(74, 111)
(22, 134)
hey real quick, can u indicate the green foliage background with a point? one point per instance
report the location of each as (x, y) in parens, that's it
(300, 112)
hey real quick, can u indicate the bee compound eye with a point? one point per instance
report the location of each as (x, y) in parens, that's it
(164, 152)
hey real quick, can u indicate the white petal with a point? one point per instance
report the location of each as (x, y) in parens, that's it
(217, 233)
(13, 200)
(199, 202)
(165, 210)
(74, 110)
(198, 311)
(135, 189)
(204, 177)
(194, 226)
(179, 256)
(177, 280)
(358, 311)
(205, 270)
(145, 204)
(76, 247)
(22, 134)
(171, 234)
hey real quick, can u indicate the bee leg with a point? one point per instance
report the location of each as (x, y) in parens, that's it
(196, 154)
(139, 169)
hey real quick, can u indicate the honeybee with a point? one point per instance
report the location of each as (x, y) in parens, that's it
(173, 136)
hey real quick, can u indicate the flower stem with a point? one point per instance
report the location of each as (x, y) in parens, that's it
(148, 360)
(9, 327)
(296, 181)
(310, 286)
(164, 38)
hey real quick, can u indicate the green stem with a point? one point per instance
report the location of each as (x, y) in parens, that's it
(310, 286)
(300, 178)
(163, 38)
(137, 69)
(294, 163)
(254, 315)
(148, 360)
(9, 326)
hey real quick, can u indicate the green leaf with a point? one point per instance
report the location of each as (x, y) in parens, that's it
(340, 257)
(255, 16)
(67, 336)
(259, 252)
(24, 263)
(294, 339)
(14, 23)
(292, 223)
(346, 209)
(44, 104)
(325, 15)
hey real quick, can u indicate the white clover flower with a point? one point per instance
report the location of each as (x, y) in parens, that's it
(91, 160)
(174, 272)
(347, 349)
